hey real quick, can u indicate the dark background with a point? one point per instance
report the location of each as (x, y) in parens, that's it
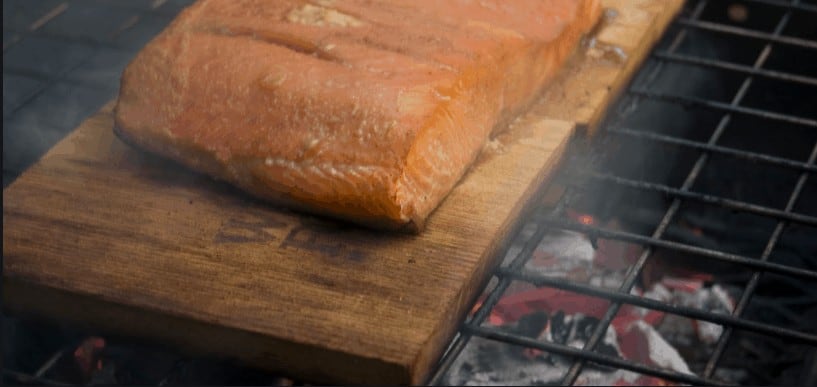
(61, 62)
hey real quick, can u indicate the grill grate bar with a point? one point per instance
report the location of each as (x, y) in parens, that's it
(632, 273)
(722, 319)
(709, 199)
(746, 155)
(753, 283)
(700, 251)
(725, 107)
(560, 349)
(658, 240)
(723, 65)
(626, 285)
(788, 5)
(737, 31)
(24, 378)
(730, 108)
(495, 294)
(491, 300)
(49, 363)
(747, 294)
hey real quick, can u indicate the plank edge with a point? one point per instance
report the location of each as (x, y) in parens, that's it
(430, 354)
(196, 337)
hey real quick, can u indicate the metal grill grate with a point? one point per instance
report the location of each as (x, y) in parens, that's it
(690, 29)
(581, 182)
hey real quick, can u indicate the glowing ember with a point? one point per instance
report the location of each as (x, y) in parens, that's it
(640, 335)
(87, 353)
(586, 220)
(683, 284)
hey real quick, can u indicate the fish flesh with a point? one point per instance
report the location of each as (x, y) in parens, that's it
(365, 110)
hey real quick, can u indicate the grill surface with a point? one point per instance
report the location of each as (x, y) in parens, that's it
(706, 50)
(717, 130)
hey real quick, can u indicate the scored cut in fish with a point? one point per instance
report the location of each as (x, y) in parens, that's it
(368, 111)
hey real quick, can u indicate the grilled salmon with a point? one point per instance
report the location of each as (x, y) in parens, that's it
(365, 110)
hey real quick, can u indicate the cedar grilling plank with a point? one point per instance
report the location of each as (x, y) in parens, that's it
(116, 239)
(370, 111)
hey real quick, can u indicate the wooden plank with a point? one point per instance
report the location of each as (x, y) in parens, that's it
(100, 220)
(99, 233)
(592, 81)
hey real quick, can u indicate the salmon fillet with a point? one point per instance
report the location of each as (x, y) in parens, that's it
(365, 110)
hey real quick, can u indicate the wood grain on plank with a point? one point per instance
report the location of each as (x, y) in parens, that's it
(102, 221)
(592, 81)
(99, 233)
